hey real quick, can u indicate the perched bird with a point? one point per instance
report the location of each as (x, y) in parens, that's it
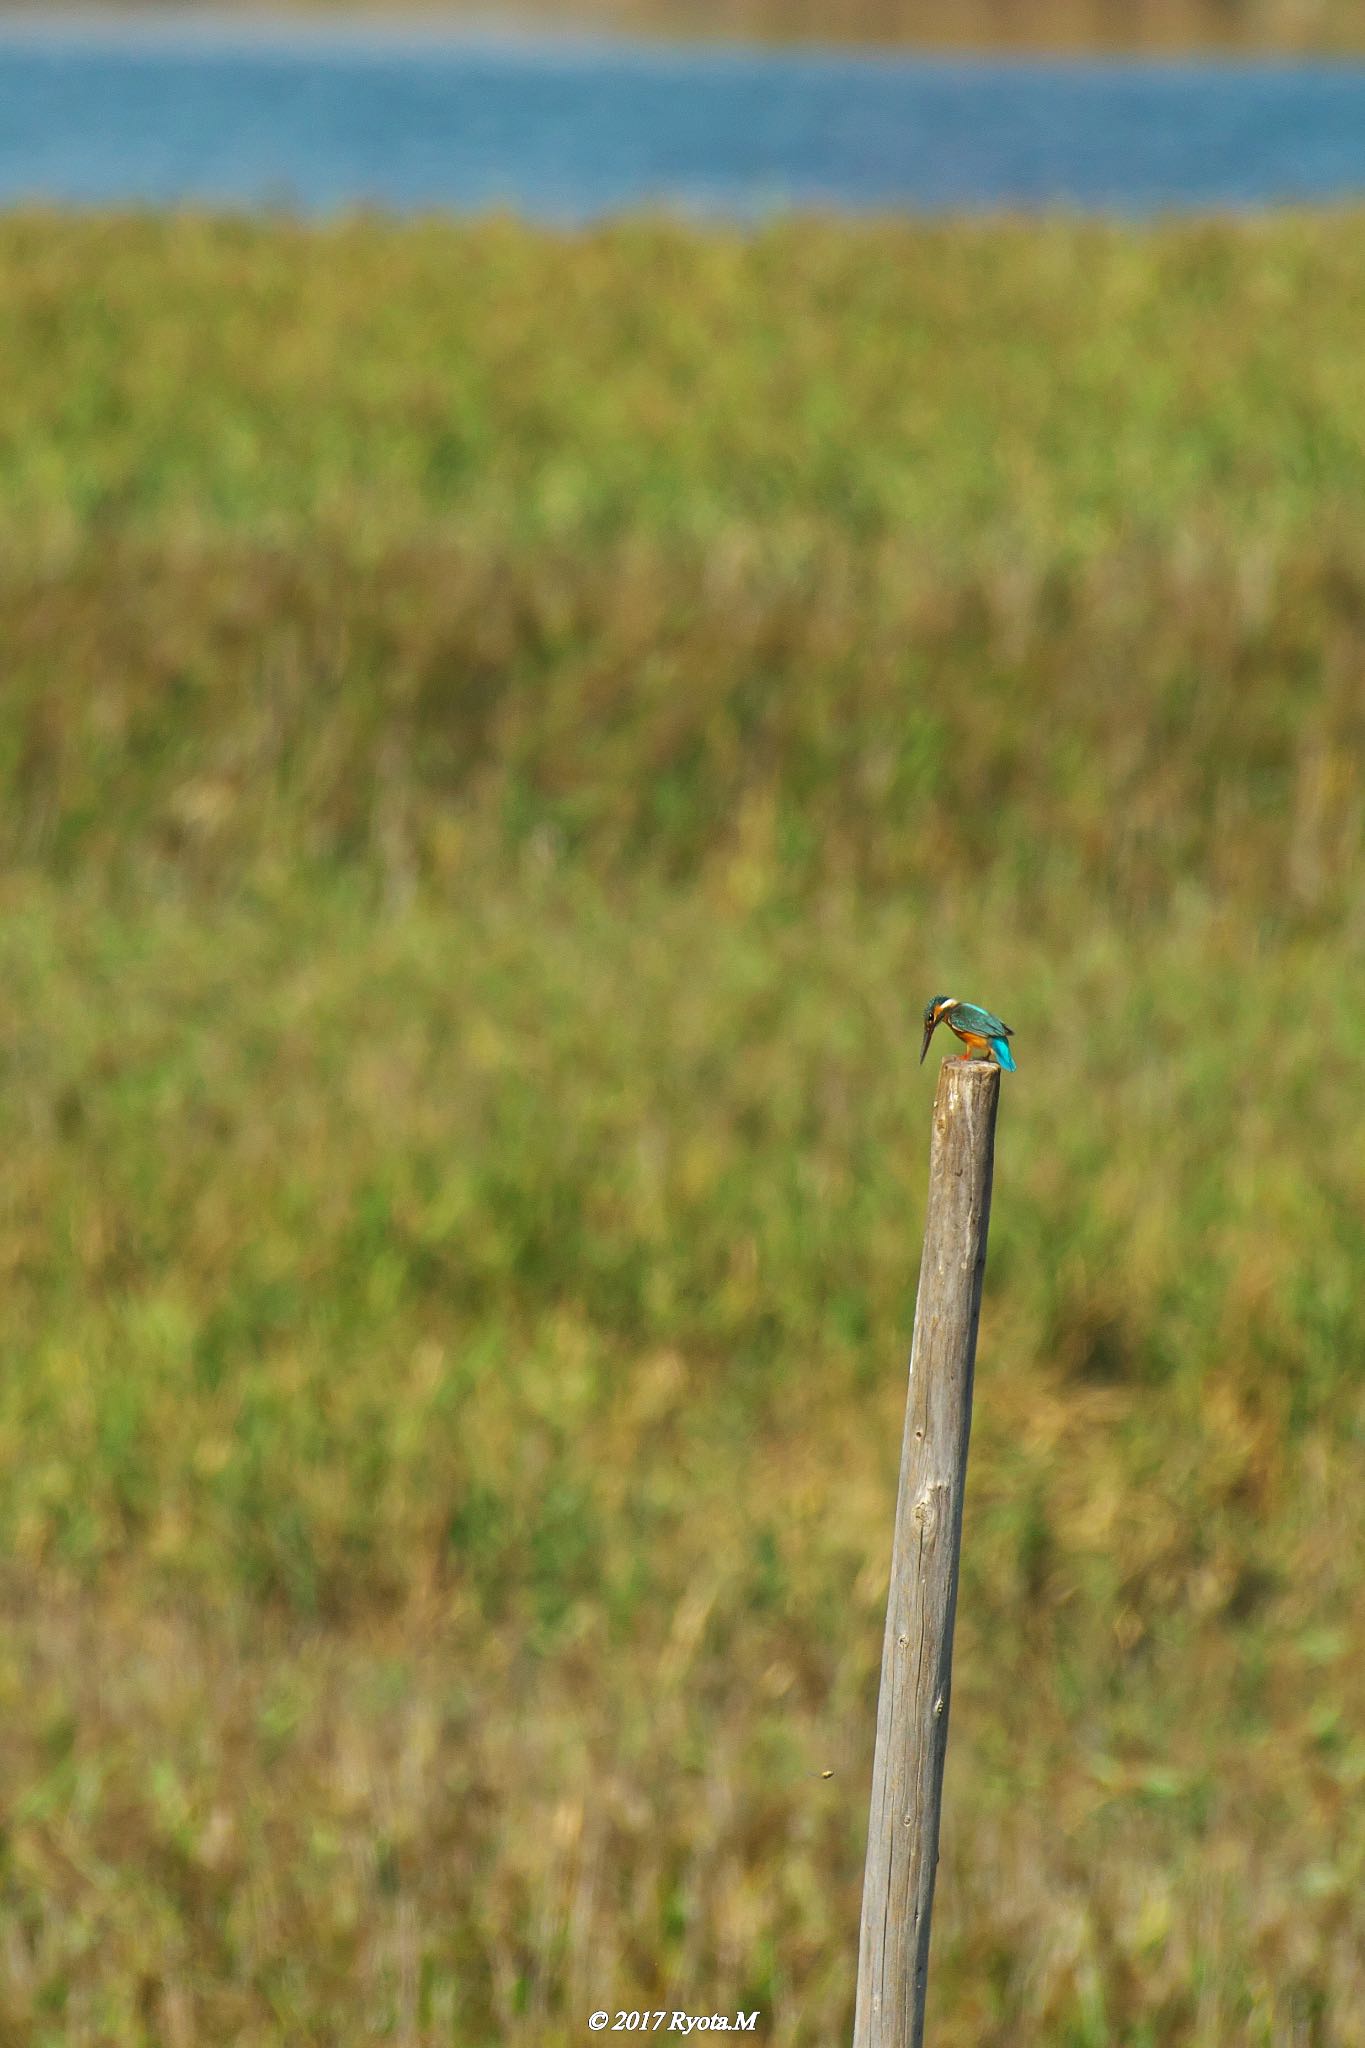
(981, 1033)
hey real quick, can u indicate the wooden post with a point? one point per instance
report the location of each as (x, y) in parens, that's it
(917, 1651)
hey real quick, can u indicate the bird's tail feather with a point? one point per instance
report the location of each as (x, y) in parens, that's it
(1001, 1048)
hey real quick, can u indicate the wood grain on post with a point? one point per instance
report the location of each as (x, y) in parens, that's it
(917, 1652)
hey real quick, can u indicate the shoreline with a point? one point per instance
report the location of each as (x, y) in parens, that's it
(1065, 29)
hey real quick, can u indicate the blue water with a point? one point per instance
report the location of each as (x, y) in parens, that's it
(334, 117)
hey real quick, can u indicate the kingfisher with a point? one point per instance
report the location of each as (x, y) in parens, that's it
(982, 1033)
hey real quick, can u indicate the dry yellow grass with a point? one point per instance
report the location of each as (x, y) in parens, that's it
(1292, 26)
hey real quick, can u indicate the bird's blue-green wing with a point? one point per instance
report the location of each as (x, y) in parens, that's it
(983, 1023)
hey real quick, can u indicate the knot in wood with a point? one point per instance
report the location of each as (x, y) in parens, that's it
(926, 1513)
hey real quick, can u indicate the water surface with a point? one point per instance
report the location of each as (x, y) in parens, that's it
(335, 116)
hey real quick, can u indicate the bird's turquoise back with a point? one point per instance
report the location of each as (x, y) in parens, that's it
(981, 1023)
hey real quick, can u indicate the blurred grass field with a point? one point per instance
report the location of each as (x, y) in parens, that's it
(1250, 26)
(502, 734)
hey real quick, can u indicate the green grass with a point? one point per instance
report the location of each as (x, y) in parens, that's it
(502, 734)
(980, 394)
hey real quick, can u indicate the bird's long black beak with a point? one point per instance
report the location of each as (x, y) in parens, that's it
(929, 1031)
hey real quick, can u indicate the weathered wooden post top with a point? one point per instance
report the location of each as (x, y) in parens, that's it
(917, 1652)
